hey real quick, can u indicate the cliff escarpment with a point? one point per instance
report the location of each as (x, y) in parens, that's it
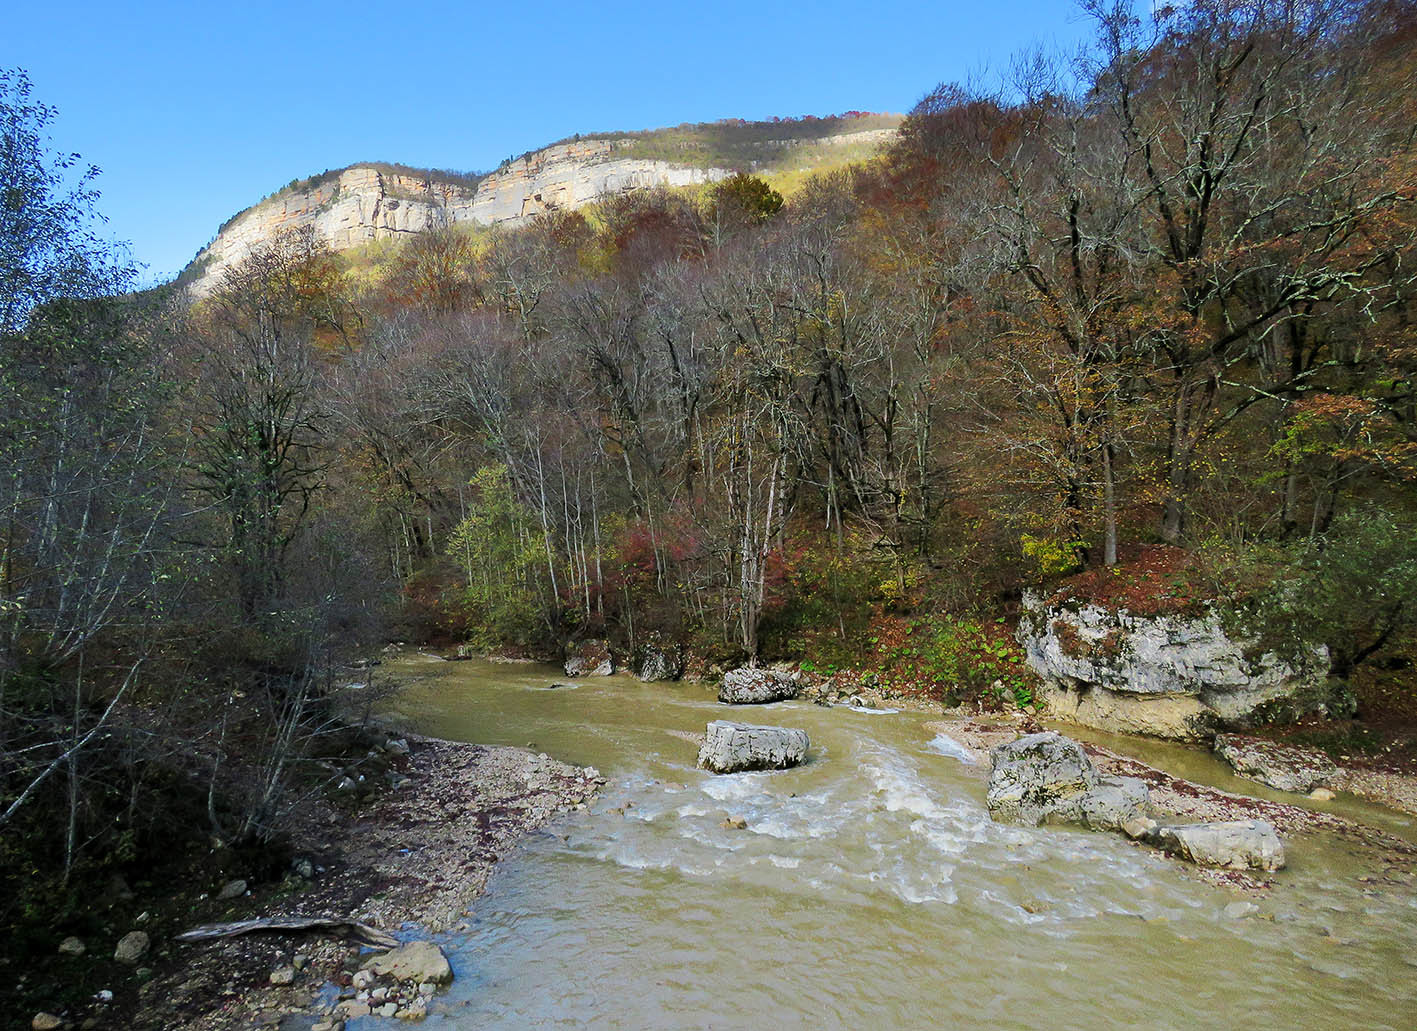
(362, 203)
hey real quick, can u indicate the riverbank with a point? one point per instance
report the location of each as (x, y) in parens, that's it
(411, 860)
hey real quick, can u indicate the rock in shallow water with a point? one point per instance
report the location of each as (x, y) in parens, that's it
(419, 961)
(1279, 766)
(1035, 776)
(735, 747)
(1236, 844)
(753, 686)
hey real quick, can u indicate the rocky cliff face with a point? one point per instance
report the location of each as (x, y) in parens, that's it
(1166, 676)
(362, 203)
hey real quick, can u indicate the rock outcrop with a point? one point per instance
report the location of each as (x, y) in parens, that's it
(1279, 766)
(363, 203)
(1172, 676)
(736, 747)
(751, 685)
(1235, 845)
(589, 658)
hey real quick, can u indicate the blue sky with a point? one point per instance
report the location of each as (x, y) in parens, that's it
(195, 110)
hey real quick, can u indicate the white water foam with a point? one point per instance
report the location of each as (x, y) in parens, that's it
(943, 744)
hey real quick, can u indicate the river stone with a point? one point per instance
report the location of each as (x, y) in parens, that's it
(734, 747)
(1279, 766)
(1172, 676)
(1237, 844)
(131, 947)
(71, 946)
(416, 961)
(1115, 804)
(751, 685)
(1036, 775)
(590, 658)
(232, 889)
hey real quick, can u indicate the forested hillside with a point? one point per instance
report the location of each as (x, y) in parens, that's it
(1144, 315)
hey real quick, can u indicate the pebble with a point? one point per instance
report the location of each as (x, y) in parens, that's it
(282, 976)
(1321, 795)
(71, 947)
(363, 978)
(1240, 910)
(301, 961)
(388, 1009)
(131, 947)
(232, 889)
(46, 1022)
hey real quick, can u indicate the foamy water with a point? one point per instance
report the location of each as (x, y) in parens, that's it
(869, 888)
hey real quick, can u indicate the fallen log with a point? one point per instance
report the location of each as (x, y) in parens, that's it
(362, 933)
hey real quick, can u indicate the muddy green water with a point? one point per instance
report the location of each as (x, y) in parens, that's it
(869, 890)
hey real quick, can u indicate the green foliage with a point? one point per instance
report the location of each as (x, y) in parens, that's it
(746, 197)
(827, 603)
(1051, 556)
(497, 553)
(1354, 590)
(959, 658)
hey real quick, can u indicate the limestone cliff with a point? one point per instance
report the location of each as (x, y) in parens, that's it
(368, 202)
(1174, 676)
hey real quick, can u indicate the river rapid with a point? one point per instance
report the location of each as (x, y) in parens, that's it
(869, 889)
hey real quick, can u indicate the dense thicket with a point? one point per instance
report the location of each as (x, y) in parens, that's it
(1157, 292)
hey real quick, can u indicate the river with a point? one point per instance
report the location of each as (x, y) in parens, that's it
(869, 889)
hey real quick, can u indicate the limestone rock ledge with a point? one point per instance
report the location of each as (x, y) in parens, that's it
(362, 203)
(1172, 676)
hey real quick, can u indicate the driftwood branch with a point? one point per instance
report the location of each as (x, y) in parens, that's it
(329, 925)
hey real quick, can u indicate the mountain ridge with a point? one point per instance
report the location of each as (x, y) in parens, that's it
(351, 206)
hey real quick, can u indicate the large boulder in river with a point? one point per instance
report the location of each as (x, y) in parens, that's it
(1049, 777)
(752, 685)
(735, 747)
(661, 661)
(1279, 766)
(1036, 775)
(1237, 844)
(1174, 676)
(1115, 804)
(589, 658)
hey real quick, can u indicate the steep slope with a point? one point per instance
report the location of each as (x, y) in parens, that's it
(352, 206)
